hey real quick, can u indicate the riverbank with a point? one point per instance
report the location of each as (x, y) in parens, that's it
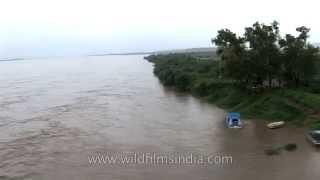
(201, 78)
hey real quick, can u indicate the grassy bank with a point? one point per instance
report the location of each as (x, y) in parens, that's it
(202, 78)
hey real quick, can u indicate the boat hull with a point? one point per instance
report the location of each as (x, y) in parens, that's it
(312, 140)
(276, 125)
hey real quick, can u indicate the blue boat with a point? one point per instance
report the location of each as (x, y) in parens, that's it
(233, 120)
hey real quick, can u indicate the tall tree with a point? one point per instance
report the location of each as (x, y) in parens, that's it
(262, 55)
(264, 51)
(232, 51)
(299, 57)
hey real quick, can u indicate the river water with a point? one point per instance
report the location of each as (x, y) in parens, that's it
(56, 113)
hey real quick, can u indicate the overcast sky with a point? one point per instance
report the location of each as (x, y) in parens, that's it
(33, 28)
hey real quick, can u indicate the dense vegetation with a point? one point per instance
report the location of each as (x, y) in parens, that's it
(264, 81)
(263, 58)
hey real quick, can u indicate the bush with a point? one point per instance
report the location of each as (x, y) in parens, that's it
(315, 125)
(183, 81)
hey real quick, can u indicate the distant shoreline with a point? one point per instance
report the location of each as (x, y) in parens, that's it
(175, 51)
(199, 50)
(13, 59)
(122, 54)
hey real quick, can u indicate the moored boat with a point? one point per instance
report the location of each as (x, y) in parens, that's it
(314, 137)
(233, 120)
(275, 125)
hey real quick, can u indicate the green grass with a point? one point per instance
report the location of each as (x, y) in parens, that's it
(268, 106)
(305, 99)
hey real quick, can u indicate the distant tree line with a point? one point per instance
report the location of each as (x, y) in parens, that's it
(261, 57)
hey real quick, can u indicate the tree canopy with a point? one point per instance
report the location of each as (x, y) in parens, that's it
(262, 57)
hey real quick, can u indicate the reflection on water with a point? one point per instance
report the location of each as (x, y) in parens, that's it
(54, 113)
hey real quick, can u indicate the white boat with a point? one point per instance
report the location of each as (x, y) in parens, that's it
(275, 125)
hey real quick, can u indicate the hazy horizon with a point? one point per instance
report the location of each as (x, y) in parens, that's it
(62, 28)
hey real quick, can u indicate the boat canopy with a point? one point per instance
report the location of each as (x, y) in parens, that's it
(234, 115)
(233, 120)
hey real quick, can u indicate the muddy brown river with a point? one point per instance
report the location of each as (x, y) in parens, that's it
(57, 113)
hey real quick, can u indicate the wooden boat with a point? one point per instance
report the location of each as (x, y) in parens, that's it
(233, 120)
(314, 137)
(275, 125)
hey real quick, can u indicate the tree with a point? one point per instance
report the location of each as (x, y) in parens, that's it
(232, 51)
(299, 57)
(263, 51)
(262, 56)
